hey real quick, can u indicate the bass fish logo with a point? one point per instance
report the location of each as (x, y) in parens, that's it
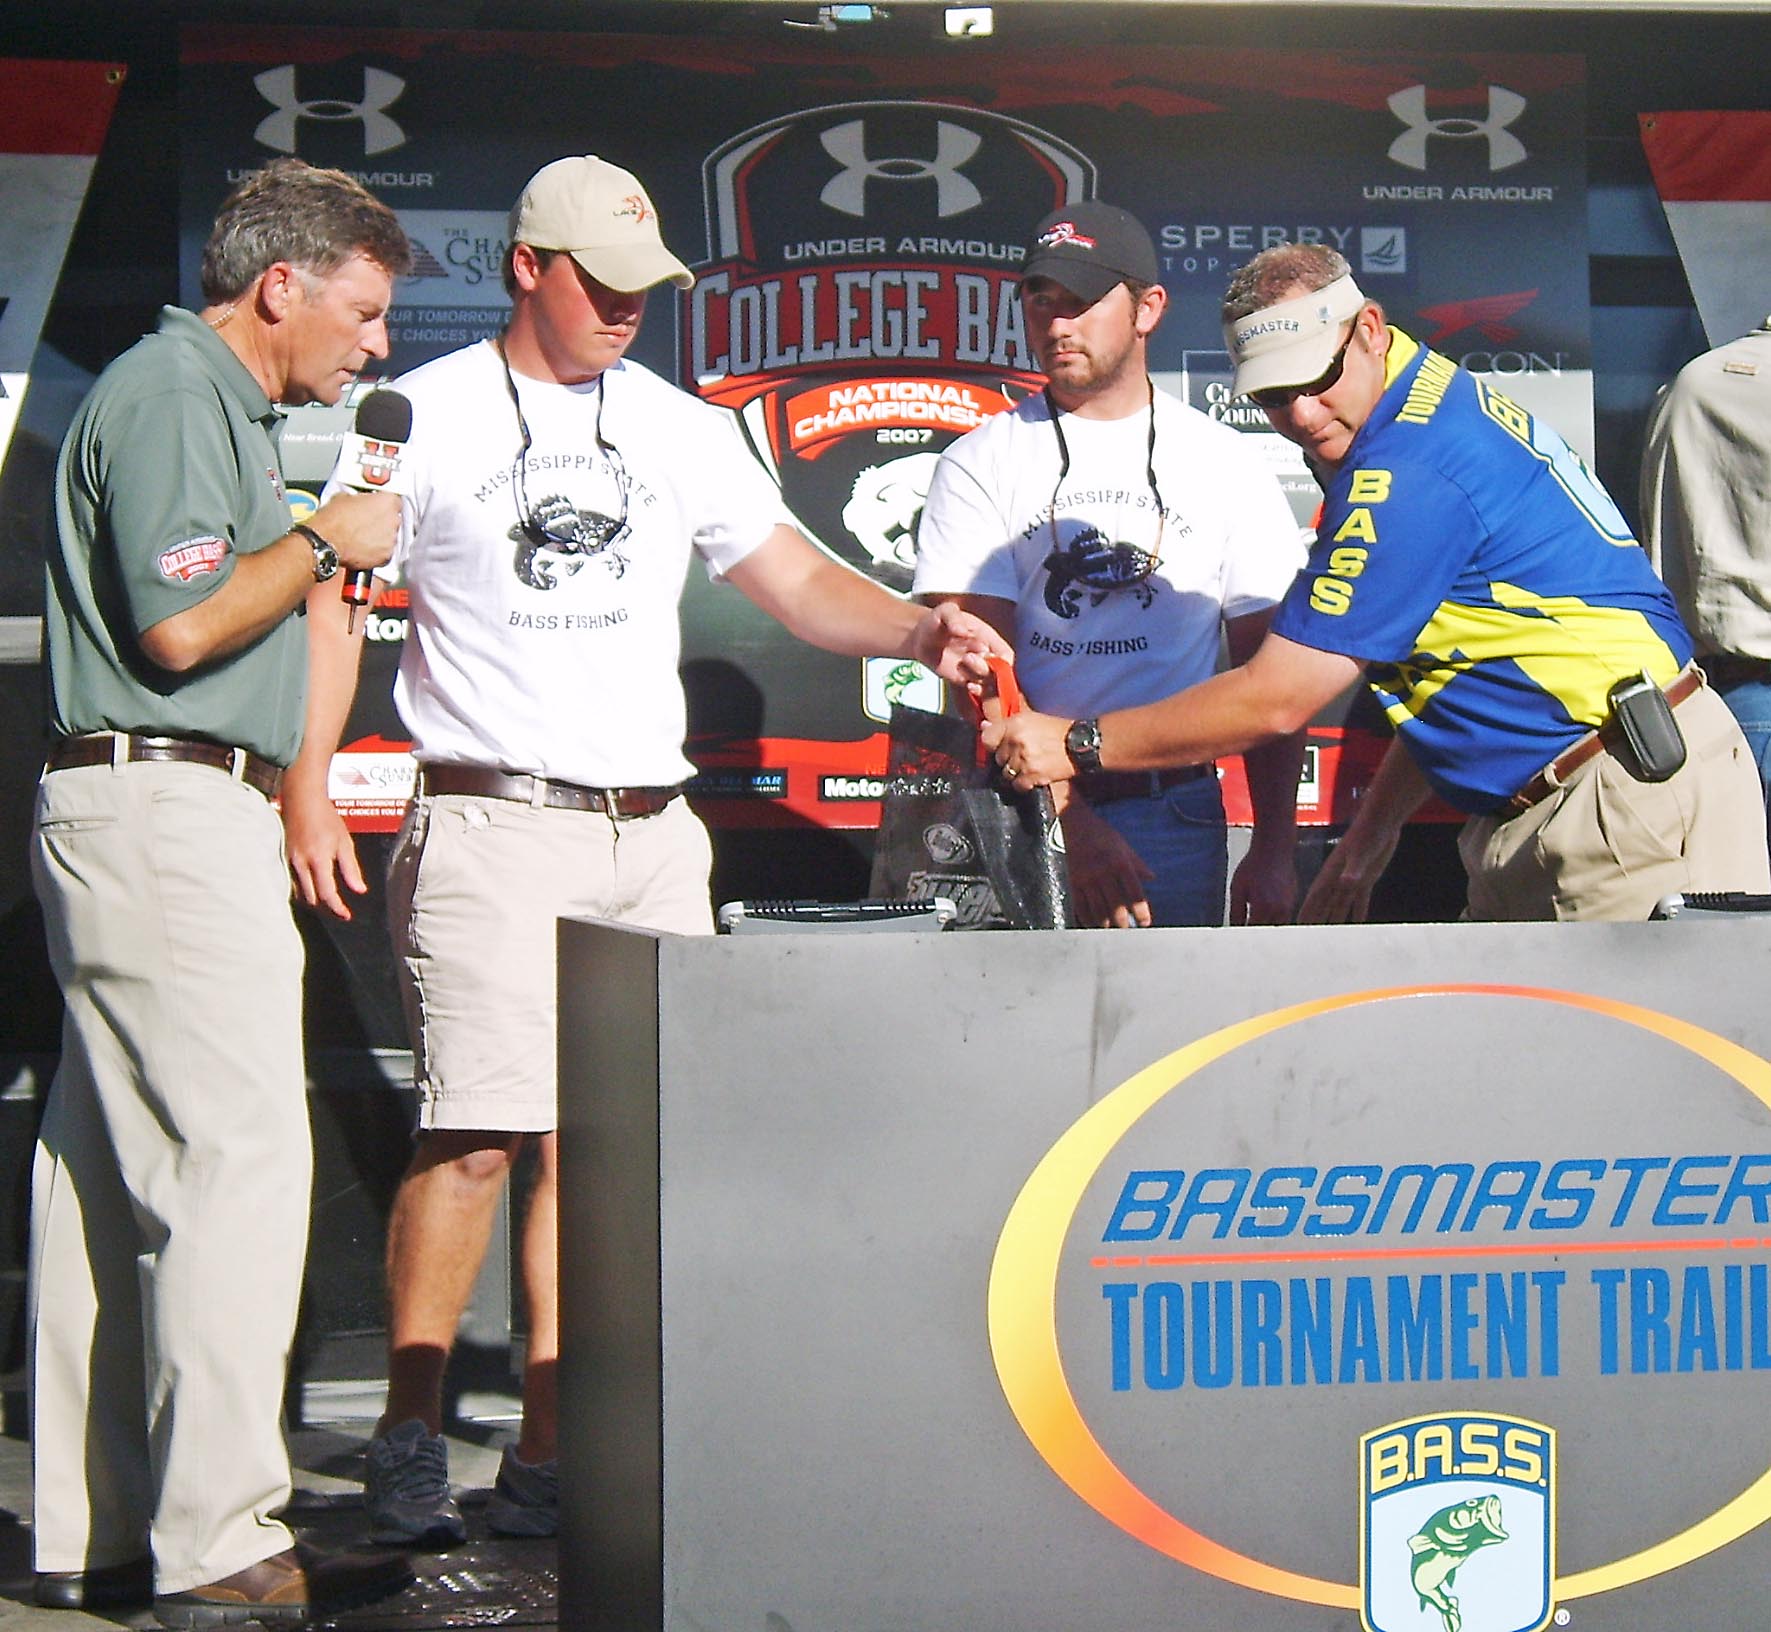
(1437, 1494)
(1450, 1536)
(1090, 567)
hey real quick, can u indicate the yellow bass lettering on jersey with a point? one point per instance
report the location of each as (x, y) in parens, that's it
(1331, 593)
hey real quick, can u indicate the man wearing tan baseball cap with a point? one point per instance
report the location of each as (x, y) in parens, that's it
(601, 216)
(1471, 568)
(560, 491)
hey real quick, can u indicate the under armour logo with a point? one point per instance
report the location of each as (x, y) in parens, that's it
(847, 190)
(1504, 148)
(380, 91)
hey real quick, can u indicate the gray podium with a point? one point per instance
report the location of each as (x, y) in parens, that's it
(1411, 1277)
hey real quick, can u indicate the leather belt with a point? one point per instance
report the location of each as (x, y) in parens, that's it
(1556, 774)
(129, 748)
(1099, 787)
(481, 782)
(1732, 669)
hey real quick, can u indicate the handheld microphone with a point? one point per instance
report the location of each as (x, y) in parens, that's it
(370, 462)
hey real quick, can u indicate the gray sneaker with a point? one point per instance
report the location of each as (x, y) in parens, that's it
(406, 1490)
(525, 1500)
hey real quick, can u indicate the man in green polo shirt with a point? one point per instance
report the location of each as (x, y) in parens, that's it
(170, 1192)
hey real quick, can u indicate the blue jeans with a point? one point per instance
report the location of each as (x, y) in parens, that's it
(1750, 703)
(1181, 837)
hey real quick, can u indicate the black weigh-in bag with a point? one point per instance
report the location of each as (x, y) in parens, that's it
(950, 826)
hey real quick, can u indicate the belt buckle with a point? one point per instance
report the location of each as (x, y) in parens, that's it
(630, 804)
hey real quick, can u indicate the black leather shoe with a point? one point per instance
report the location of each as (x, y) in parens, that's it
(129, 1585)
(298, 1584)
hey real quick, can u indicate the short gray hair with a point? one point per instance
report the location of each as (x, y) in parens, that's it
(1279, 272)
(312, 218)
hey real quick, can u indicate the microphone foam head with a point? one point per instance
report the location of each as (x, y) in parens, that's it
(385, 416)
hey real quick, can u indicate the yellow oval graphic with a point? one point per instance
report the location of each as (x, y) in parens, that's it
(1023, 1290)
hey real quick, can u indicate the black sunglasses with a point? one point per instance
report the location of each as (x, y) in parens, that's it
(1283, 396)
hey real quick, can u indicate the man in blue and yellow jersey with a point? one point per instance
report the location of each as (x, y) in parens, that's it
(1471, 567)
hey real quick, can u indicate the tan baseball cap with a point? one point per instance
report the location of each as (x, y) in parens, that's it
(1293, 341)
(602, 217)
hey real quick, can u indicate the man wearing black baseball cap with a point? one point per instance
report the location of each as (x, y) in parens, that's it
(1115, 535)
(1089, 247)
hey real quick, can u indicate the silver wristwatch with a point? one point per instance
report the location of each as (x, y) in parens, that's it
(325, 557)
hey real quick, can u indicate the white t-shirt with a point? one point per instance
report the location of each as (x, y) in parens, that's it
(1097, 625)
(562, 660)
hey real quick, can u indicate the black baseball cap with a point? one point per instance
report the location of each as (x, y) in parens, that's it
(1088, 247)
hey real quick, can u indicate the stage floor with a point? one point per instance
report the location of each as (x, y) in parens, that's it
(489, 1581)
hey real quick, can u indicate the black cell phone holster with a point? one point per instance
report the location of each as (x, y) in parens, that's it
(1652, 746)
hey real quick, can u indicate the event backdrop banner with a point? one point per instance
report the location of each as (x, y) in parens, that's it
(1713, 173)
(856, 222)
(53, 118)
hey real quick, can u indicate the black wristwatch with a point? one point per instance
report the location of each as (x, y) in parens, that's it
(325, 557)
(1082, 742)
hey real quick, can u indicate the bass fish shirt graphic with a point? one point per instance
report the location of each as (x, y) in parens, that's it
(1457, 1524)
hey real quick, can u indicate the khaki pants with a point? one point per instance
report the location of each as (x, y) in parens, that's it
(1606, 846)
(170, 1191)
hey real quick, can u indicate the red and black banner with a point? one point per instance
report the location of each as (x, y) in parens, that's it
(53, 118)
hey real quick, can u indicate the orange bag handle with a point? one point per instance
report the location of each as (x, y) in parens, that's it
(1008, 688)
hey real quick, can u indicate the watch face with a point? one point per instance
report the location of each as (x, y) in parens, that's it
(325, 557)
(1083, 740)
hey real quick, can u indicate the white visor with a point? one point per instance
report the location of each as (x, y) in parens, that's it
(1293, 342)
